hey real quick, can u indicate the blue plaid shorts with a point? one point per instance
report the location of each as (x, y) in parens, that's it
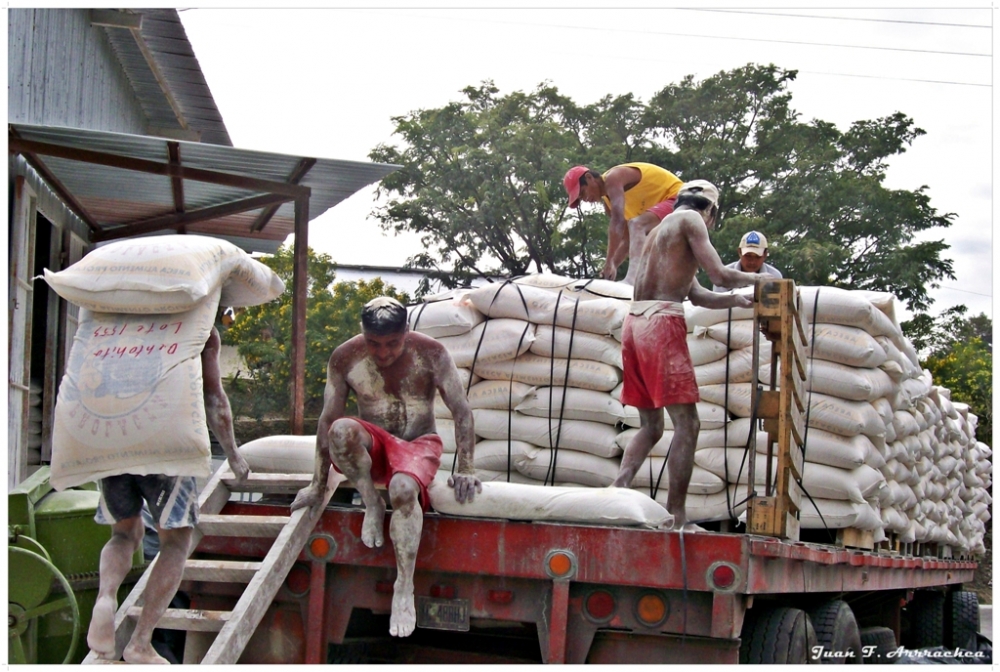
(172, 500)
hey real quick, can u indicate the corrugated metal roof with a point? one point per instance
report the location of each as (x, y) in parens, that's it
(167, 42)
(115, 197)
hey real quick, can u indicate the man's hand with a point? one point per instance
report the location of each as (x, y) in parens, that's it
(466, 486)
(742, 301)
(239, 467)
(308, 496)
(609, 272)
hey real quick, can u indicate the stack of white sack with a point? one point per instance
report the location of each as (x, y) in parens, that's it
(883, 451)
(131, 400)
(533, 351)
(886, 450)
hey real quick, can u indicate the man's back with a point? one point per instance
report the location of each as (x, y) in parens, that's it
(668, 264)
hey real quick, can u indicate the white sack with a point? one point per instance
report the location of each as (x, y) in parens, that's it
(496, 394)
(537, 370)
(516, 501)
(490, 341)
(579, 344)
(281, 454)
(131, 400)
(703, 482)
(447, 314)
(523, 302)
(590, 437)
(165, 275)
(711, 416)
(571, 466)
(580, 404)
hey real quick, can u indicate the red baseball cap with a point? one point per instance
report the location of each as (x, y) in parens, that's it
(572, 184)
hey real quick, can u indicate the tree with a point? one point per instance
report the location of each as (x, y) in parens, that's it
(482, 181)
(958, 351)
(263, 334)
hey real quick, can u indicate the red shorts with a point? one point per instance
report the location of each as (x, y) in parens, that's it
(656, 362)
(390, 455)
(663, 208)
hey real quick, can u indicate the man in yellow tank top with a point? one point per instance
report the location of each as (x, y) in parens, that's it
(636, 197)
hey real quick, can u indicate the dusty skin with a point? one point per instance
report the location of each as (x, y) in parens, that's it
(395, 378)
(126, 537)
(671, 255)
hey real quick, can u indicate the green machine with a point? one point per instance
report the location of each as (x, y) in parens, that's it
(53, 557)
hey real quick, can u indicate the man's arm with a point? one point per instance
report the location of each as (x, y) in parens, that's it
(450, 386)
(616, 182)
(334, 404)
(702, 297)
(697, 236)
(218, 413)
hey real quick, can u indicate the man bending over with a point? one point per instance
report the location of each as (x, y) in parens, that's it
(655, 358)
(394, 374)
(173, 503)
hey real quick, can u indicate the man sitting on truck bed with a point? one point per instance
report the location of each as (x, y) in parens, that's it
(655, 357)
(394, 374)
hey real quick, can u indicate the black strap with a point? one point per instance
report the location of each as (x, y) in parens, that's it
(562, 404)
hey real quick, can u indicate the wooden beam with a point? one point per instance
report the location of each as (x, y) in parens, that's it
(176, 183)
(187, 135)
(160, 78)
(62, 191)
(305, 165)
(112, 18)
(178, 219)
(18, 145)
(300, 278)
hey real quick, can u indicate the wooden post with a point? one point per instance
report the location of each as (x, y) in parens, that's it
(300, 288)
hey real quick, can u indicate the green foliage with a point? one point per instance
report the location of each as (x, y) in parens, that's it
(482, 181)
(958, 351)
(263, 334)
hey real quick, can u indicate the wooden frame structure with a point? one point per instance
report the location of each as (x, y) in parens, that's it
(777, 315)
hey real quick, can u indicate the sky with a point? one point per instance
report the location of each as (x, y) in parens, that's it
(326, 82)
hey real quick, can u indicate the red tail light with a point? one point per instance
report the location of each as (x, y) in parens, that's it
(600, 605)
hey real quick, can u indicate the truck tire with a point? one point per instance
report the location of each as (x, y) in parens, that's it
(883, 640)
(926, 612)
(962, 623)
(837, 632)
(776, 635)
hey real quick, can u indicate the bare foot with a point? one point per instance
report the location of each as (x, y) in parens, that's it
(404, 616)
(371, 530)
(143, 655)
(101, 635)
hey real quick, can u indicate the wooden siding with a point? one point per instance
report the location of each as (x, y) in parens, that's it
(63, 72)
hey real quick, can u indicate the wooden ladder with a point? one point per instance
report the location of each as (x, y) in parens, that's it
(263, 578)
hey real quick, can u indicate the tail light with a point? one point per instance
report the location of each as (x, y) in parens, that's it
(600, 605)
(651, 609)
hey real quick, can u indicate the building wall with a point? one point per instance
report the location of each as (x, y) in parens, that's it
(62, 72)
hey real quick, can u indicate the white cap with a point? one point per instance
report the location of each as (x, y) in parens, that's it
(702, 188)
(753, 242)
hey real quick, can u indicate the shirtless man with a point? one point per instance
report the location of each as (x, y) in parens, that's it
(394, 374)
(655, 358)
(173, 502)
(636, 197)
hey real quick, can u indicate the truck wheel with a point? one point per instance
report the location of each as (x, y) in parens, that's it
(963, 620)
(883, 640)
(837, 632)
(926, 612)
(776, 635)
